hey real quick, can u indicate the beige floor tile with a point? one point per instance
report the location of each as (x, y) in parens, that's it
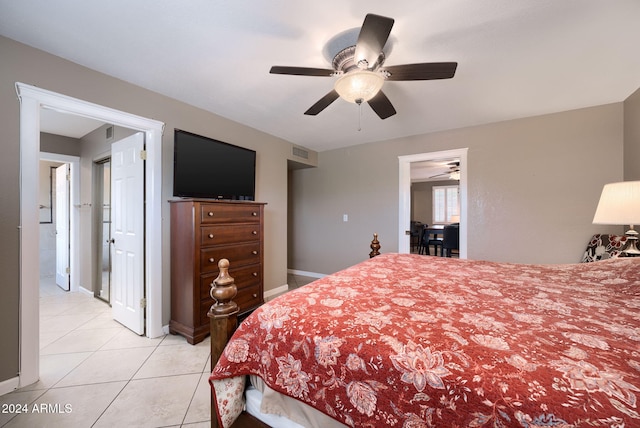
(80, 341)
(200, 407)
(89, 305)
(66, 323)
(60, 305)
(104, 320)
(15, 404)
(48, 337)
(174, 360)
(198, 424)
(77, 406)
(155, 402)
(128, 339)
(55, 367)
(106, 366)
(173, 339)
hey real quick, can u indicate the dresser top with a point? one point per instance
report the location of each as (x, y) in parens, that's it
(215, 201)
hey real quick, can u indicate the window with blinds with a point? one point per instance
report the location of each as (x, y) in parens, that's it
(446, 203)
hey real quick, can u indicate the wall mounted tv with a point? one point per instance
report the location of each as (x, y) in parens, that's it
(208, 168)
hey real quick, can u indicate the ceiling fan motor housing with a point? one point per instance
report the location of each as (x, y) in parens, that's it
(344, 61)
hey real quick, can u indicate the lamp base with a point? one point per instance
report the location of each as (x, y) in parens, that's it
(632, 249)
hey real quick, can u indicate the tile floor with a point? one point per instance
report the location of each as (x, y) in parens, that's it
(96, 373)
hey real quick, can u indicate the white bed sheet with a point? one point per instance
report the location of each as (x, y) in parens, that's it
(280, 411)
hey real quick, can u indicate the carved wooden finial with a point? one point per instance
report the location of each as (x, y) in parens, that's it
(223, 290)
(375, 246)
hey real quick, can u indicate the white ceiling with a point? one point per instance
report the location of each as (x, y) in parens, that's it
(515, 58)
(68, 125)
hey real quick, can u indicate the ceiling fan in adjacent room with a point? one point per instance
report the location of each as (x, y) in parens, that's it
(361, 73)
(453, 173)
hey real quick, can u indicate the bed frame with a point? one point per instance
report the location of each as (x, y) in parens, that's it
(223, 321)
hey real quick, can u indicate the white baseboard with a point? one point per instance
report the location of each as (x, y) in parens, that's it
(305, 273)
(83, 290)
(9, 385)
(165, 329)
(276, 291)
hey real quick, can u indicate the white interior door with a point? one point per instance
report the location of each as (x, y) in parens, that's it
(127, 232)
(62, 226)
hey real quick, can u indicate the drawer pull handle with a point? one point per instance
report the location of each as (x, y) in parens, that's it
(254, 252)
(255, 295)
(210, 214)
(255, 274)
(255, 232)
(211, 260)
(211, 235)
(254, 214)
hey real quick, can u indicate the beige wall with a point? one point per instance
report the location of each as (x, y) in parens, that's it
(533, 186)
(24, 64)
(59, 144)
(632, 137)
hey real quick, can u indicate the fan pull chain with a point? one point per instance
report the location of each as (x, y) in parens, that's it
(359, 102)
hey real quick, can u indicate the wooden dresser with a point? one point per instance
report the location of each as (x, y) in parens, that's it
(202, 233)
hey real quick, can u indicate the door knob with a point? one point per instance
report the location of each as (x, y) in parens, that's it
(111, 241)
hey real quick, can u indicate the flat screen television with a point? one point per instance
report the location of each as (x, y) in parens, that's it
(208, 168)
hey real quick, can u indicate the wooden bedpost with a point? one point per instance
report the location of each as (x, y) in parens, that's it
(223, 319)
(375, 246)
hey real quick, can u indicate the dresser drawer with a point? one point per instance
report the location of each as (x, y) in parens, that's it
(238, 255)
(244, 277)
(248, 298)
(237, 213)
(228, 234)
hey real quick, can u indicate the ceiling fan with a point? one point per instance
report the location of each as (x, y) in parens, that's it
(361, 73)
(453, 173)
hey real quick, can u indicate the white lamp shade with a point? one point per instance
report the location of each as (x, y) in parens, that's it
(359, 85)
(619, 204)
(455, 218)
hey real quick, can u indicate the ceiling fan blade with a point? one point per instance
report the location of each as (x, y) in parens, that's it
(322, 103)
(302, 71)
(372, 38)
(423, 71)
(382, 106)
(440, 175)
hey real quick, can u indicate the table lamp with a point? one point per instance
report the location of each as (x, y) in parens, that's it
(620, 204)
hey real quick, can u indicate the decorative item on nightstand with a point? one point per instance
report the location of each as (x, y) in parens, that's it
(620, 204)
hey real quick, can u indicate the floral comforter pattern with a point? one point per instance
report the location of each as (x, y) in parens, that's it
(415, 341)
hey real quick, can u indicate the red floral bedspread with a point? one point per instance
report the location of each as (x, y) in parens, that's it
(415, 341)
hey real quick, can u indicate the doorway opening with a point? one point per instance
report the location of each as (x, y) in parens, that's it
(72, 254)
(404, 192)
(32, 100)
(102, 197)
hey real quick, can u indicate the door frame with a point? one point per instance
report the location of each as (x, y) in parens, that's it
(74, 219)
(32, 99)
(404, 191)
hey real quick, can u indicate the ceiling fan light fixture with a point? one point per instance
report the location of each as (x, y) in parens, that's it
(359, 85)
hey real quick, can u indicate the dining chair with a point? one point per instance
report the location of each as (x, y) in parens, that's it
(451, 238)
(427, 241)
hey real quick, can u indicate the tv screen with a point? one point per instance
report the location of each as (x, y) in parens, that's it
(208, 168)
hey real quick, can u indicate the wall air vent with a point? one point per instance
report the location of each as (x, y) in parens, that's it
(109, 133)
(301, 153)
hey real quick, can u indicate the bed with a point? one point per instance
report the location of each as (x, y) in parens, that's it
(418, 341)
